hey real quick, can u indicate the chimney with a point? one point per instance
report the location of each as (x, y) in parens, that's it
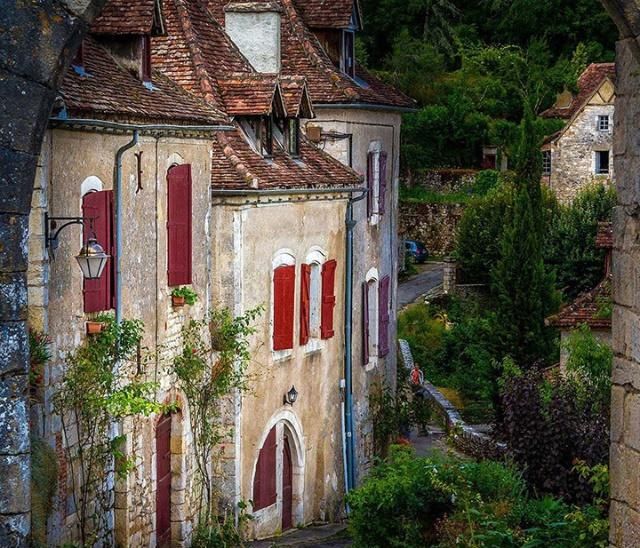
(254, 27)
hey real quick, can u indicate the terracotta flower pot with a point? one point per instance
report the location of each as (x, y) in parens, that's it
(93, 328)
(177, 302)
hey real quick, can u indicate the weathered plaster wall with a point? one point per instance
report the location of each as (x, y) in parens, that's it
(573, 154)
(257, 35)
(246, 244)
(69, 158)
(38, 41)
(375, 246)
(625, 406)
(433, 224)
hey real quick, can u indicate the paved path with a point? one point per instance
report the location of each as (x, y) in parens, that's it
(430, 276)
(332, 535)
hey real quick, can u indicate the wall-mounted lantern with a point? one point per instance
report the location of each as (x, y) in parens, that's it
(291, 396)
(92, 258)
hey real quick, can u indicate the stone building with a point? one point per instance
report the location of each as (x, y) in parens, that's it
(581, 152)
(267, 220)
(591, 308)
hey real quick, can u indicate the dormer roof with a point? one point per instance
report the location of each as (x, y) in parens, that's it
(296, 97)
(330, 14)
(590, 81)
(126, 17)
(252, 94)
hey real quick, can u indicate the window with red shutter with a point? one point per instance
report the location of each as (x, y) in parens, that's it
(284, 279)
(365, 323)
(305, 303)
(382, 190)
(383, 311)
(179, 237)
(99, 294)
(328, 298)
(264, 482)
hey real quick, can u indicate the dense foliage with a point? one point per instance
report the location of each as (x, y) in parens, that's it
(521, 285)
(472, 65)
(414, 502)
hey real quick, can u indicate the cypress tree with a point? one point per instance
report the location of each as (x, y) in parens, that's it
(524, 292)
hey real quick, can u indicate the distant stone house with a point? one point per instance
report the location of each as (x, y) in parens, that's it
(592, 308)
(581, 152)
(223, 192)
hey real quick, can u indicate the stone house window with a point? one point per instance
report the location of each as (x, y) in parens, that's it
(603, 123)
(546, 162)
(376, 183)
(179, 225)
(602, 162)
(283, 302)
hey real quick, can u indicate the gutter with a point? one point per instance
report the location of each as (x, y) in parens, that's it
(284, 191)
(364, 106)
(141, 128)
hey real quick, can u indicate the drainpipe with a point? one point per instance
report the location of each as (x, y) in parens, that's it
(348, 345)
(117, 186)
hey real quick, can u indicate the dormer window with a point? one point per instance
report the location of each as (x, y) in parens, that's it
(78, 60)
(347, 59)
(293, 136)
(145, 72)
(266, 137)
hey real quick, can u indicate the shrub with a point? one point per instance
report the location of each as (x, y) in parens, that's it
(485, 181)
(570, 249)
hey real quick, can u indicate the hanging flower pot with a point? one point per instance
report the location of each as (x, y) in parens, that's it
(93, 328)
(183, 295)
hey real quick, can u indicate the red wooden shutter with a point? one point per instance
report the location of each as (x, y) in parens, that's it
(284, 279)
(99, 294)
(370, 176)
(179, 225)
(383, 182)
(365, 323)
(305, 303)
(383, 313)
(328, 299)
(264, 483)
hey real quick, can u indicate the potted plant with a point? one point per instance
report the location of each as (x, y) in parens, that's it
(94, 327)
(183, 295)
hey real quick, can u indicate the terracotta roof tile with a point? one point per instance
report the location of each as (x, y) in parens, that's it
(296, 97)
(604, 238)
(326, 13)
(109, 89)
(246, 94)
(125, 17)
(588, 83)
(237, 166)
(586, 309)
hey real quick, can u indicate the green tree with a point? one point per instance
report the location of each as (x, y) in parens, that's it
(523, 290)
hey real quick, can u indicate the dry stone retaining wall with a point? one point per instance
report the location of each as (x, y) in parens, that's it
(433, 224)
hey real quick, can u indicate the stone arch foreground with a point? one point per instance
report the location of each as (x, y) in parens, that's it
(37, 42)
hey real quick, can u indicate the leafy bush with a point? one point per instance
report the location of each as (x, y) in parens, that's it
(485, 181)
(410, 501)
(188, 294)
(547, 430)
(424, 327)
(570, 249)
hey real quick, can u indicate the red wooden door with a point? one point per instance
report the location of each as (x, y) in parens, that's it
(163, 475)
(287, 487)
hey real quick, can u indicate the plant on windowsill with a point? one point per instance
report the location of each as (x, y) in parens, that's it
(183, 295)
(94, 327)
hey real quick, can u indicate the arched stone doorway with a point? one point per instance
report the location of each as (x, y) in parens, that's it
(278, 476)
(39, 39)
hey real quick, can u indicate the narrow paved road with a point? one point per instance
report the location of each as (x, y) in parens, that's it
(429, 277)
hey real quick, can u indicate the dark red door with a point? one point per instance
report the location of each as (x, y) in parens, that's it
(163, 493)
(287, 487)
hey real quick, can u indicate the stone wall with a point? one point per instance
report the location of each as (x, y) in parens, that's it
(443, 180)
(625, 406)
(433, 224)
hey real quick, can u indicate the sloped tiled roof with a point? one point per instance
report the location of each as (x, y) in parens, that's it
(302, 55)
(588, 83)
(246, 94)
(107, 89)
(604, 238)
(586, 309)
(326, 14)
(125, 17)
(296, 96)
(237, 166)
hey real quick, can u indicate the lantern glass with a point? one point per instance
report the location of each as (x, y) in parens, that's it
(292, 395)
(92, 259)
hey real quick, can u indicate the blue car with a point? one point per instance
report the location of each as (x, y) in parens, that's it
(417, 250)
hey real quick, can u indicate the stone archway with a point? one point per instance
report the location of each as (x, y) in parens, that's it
(37, 43)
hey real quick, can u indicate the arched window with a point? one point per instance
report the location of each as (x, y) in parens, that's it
(370, 318)
(376, 182)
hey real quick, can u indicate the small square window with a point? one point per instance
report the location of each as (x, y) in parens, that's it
(546, 162)
(602, 162)
(603, 123)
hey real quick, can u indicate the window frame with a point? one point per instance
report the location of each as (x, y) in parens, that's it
(547, 162)
(598, 163)
(604, 127)
(348, 53)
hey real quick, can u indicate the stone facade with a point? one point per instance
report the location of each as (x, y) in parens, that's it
(576, 151)
(435, 225)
